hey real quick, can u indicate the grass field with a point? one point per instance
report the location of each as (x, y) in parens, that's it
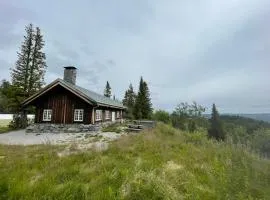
(4, 125)
(159, 164)
(4, 122)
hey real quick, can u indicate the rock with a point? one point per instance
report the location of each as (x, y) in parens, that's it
(62, 128)
(73, 130)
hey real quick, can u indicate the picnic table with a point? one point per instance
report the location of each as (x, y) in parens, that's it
(139, 125)
(135, 127)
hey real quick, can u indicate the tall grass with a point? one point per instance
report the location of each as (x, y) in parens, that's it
(4, 125)
(163, 163)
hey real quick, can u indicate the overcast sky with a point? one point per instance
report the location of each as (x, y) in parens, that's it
(194, 50)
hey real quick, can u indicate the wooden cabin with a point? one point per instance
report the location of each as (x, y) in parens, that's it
(64, 102)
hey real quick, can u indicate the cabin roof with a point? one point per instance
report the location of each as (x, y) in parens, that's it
(88, 95)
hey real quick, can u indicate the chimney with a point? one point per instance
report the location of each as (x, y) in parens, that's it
(70, 74)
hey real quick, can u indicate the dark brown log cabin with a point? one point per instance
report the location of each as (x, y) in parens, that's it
(63, 102)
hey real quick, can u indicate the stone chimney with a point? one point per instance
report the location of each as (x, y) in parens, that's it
(70, 74)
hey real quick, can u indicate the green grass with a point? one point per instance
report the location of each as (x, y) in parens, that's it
(4, 129)
(4, 122)
(159, 164)
(4, 125)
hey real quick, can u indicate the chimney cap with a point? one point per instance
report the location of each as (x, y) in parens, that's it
(70, 67)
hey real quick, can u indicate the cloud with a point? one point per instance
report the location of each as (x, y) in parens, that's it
(10, 16)
(208, 51)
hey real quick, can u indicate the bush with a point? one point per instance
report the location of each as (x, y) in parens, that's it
(112, 128)
(162, 116)
(19, 121)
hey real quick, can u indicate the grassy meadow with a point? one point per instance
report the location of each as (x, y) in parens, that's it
(163, 163)
(4, 125)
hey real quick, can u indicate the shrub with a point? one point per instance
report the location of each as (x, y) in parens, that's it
(112, 128)
(19, 121)
(162, 116)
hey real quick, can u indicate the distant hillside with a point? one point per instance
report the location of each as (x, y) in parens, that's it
(250, 124)
(259, 116)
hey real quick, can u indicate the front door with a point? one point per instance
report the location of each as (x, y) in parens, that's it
(113, 116)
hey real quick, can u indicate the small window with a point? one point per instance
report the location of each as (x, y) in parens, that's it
(107, 114)
(47, 115)
(78, 115)
(98, 115)
(118, 114)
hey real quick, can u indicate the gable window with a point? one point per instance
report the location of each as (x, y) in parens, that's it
(98, 115)
(47, 115)
(107, 114)
(78, 115)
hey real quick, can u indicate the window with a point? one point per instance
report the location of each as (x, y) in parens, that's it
(117, 114)
(78, 115)
(98, 115)
(47, 115)
(107, 114)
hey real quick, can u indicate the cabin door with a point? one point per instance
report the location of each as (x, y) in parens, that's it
(113, 116)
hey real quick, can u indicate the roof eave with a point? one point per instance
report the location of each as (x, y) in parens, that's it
(52, 85)
(111, 106)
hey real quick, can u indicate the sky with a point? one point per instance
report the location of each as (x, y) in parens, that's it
(195, 50)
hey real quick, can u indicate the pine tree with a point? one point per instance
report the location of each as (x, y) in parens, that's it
(20, 74)
(107, 90)
(125, 100)
(216, 130)
(28, 73)
(137, 112)
(129, 101)
(147, 105)
(143, 106)
(38, 64)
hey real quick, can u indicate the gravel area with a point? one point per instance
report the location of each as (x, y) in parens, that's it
(22, 138)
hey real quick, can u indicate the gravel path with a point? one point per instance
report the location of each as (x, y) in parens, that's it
(22, 138)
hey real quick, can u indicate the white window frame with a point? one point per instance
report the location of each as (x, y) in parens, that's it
(98, 115)
(107, 114)
(78, 115)
(47, 115)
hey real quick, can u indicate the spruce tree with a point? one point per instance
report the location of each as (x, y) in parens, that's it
(125, 100)
(146, 104)
(129, 101)
(143, 106)
(28, 73)
(137, 112)
(20, 74)
(38, 64)
(216, 130)
(107, 90)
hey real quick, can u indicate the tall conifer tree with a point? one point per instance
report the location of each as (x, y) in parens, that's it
(143, 106)
(108, 90)
(38, 64)
(28, 74)
(129, 101)
(216, 130)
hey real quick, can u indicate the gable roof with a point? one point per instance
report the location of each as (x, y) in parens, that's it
(89, 96)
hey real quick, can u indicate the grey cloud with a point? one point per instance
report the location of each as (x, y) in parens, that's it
(211, 51)
(10, 15)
